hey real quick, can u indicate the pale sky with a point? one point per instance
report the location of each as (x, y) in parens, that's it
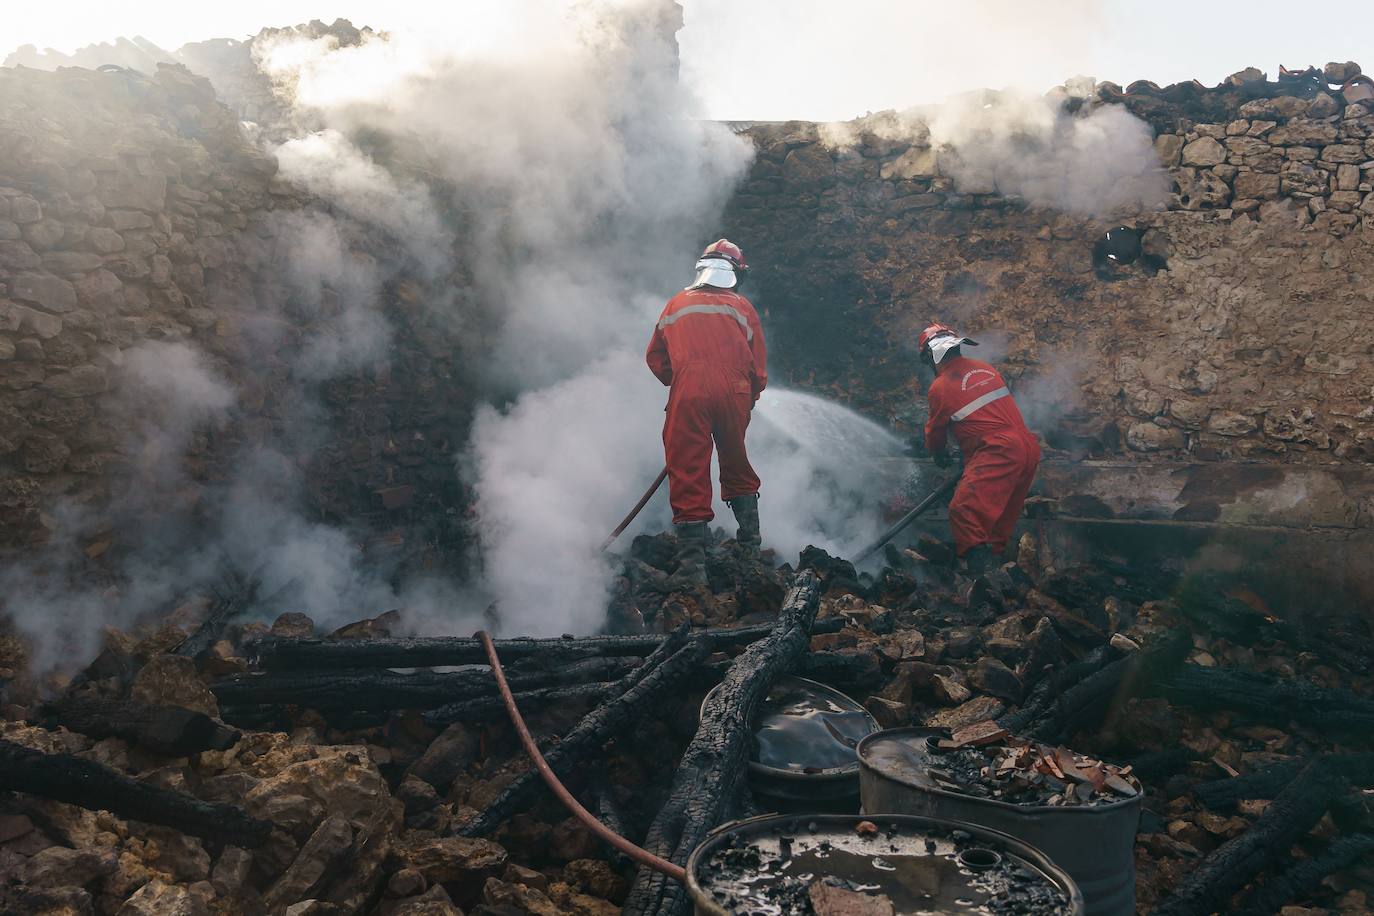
(812, 59)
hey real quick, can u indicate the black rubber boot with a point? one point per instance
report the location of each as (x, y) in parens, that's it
(979, 559)
(746, 509)
(691, 556)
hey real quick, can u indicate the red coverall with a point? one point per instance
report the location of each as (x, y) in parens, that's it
(708, 346)
(1000, 453)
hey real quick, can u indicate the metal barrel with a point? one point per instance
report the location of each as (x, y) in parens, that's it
(834, 790)
(742, 831)
(1095, 844)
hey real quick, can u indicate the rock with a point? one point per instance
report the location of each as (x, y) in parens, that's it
(25, 209)
(157, 898)
(341, 778)
(1347, 178)
(71, 263)
(124, 220)
(293, 625)
(312, 908)
(434, 902)
(1246, 77)
(917, 162)
(1280, 108)
(1203, 153)
(519, 874)
(171, 680)
(59, 866)
(889, 713)
(996, 679)
(406, 882)
(416, 795)
(16, 317)
(1169, 149)
(100, 291)
(1336, 72)
(44, 290)
(231, 871)
(979, 709)
(181, 856)
(1303, 179)
(80, 382)
(327, 847)
(105, 241)
(808, 165)
(596, 877)
(1303, 132)
(129, 190)
(446, 757)
(1257, 185)
(44, 234)
(451, 859)
(1149, 437)
(571, 840)
(950, 691)
(1322, 106)
(1200, 190)
(519, 899)
(1229, 423)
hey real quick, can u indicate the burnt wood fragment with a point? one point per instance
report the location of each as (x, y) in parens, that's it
(432, 651)
(171, 730)
(481, 709)
(1268, 699)
(87, 784)
(707, 785)
(237, 594)
(1058, 715)
(642, 692)
(372, 689)
(1223, 794)
(1306, 877)
(1234, 864)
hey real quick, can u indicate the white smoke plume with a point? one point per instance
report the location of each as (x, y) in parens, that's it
(1095, 163)
(1056, 150)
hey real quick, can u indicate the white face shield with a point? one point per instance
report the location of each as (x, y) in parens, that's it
(941, 346)
(716, 272)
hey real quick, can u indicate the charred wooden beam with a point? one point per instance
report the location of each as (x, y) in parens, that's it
(170, 730)
(237, 594)
(1223, 794)
(372, 689)
(642, 692)
(87, 784)
(849, 672)
(1056, 714)
(1306, 877)
(706, 787)
(1268, 699)
(434, 651)
(485, 708)
(1236, 862)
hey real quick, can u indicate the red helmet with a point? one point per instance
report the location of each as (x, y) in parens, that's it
(932, 332)
(724, 248)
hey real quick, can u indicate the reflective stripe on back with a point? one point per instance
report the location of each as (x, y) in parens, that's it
(981, 401)
(731, 311)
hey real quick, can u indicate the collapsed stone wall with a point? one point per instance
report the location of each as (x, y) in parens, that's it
(134, 208)
(1253, 342)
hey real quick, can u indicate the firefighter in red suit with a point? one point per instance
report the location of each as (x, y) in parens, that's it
(708, 348)
(1000, 453)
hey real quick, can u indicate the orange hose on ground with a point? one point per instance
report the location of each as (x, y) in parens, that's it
(642, 856)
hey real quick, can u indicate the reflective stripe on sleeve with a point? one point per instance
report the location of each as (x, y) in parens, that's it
(710, 310)
(976, 403)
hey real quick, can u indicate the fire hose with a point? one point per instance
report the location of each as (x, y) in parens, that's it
(642, 856)
(923, 505)
(639, 506)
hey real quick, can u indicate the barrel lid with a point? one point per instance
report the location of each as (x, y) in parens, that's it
(807, 731)
(771, 864)
(914, 757)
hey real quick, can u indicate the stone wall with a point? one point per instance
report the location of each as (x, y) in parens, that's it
(1253, 342)
(135, 209)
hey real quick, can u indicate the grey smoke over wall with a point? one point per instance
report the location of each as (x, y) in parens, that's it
(1055, 150)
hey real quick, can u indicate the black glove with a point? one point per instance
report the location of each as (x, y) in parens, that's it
(943, 458)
